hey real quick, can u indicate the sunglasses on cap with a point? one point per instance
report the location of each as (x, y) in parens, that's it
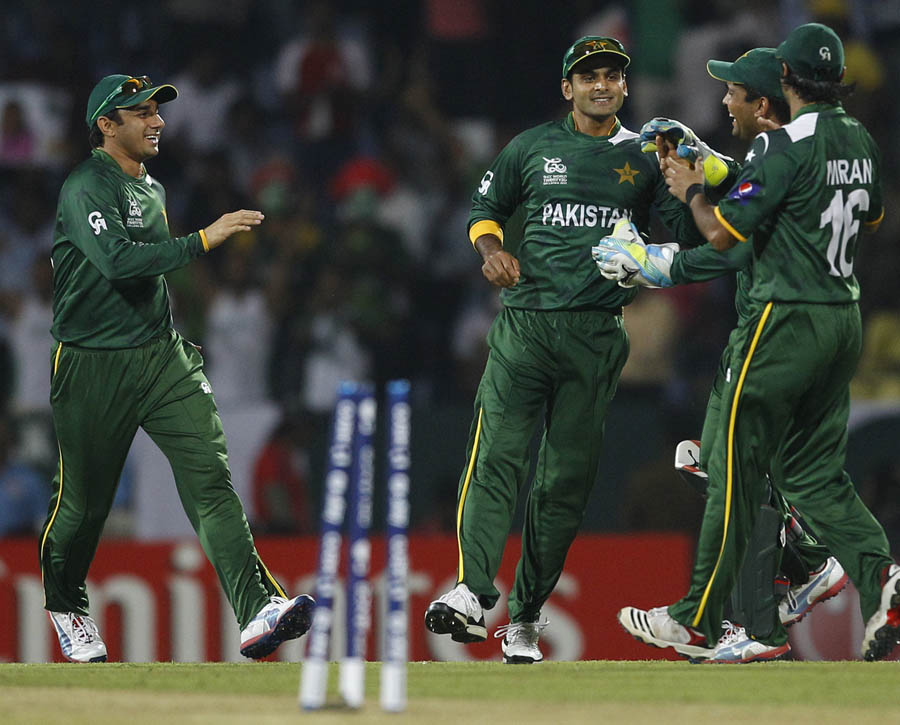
(593, 45)
(127, 88)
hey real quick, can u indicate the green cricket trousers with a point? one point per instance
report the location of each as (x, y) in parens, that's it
(559, 367)
(99, 399)
(801, 556)
(787, 400)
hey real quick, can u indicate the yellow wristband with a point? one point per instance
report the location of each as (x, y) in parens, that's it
(204, 240)
(485, 226)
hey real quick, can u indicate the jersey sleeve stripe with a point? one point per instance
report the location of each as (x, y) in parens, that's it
(734, 232)
(485, 226)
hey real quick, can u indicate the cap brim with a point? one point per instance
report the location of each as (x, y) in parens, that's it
(161, 94)
(723, 70)
(615, 55)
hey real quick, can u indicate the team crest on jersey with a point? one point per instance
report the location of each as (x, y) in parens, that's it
(135, 216)
(743, 192)
(554, 171)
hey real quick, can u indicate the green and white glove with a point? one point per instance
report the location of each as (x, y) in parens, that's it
(624, 258)
(687, 146)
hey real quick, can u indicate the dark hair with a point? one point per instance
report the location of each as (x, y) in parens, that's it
(96, 136)
(811, 91)
(780, 107)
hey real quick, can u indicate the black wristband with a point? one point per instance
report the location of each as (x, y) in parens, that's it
(691, 192)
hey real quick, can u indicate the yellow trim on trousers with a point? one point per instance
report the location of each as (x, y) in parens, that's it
(59, 494)
(281, 592)
(462, 495)
(729, 468)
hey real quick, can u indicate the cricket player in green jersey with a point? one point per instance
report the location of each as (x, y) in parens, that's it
(808, 575)
(118, 365)
(804, 194)
(556, 348)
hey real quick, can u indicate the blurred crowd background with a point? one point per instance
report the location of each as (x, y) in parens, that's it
(361, 130)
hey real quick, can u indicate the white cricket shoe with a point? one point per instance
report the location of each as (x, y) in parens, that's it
(737, 647)
(883, 627)
(459, 614)
(656, 628)
(520, 642)
(280, 620)
(79, 637)
(821, 585)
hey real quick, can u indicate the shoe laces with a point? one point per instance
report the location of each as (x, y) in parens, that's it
(521, 632)
(84, 630)
(733, 633)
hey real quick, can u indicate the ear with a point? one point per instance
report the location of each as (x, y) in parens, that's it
(624, 86)
(566, 86)
(106, 126)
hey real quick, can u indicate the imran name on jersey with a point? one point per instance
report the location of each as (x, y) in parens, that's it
(581, 215)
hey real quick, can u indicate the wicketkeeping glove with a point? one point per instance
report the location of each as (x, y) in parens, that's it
(687, 146)
(624, 258)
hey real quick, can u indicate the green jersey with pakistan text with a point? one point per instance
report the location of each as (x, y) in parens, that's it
(819, 175)
(111, 246)
(573, 188)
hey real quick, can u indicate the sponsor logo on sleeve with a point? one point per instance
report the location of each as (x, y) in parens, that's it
(485, 182)
(97, 222)
(744, 192)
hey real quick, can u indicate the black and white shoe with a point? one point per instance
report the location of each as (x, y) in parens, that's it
(459, 614)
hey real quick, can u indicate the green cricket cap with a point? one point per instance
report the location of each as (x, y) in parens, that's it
(121, 91)
(595, 46)
(813, 51)
(758, 69)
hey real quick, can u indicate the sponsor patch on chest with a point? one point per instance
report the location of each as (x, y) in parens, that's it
(135, 217)
(554, 171)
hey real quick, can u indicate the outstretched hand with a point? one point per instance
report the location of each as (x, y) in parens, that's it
(231, 223)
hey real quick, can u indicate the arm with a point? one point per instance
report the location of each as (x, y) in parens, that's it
(495, 200)
(500, 268)
(93, 223)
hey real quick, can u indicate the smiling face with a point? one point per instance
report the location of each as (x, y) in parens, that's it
(596, 94)
(744, 113)
(137, 137)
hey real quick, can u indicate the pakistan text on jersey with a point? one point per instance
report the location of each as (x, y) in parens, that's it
(849, 171)
(581, 215)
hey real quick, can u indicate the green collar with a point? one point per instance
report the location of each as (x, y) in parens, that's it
(101, 155)
(818, 108)
(570, 124)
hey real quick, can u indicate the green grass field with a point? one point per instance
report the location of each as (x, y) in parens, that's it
(460, 693)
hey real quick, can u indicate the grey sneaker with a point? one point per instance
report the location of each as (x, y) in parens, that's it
(459, 614)
(821, 585)
(520, 642)
(883, 627)
(737, 647)
(79, 637)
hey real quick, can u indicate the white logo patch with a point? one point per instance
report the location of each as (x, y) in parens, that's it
(135, 216)
(554, 171)
(97, 222)
(206, 388)
(825, 52)
(485, 182)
